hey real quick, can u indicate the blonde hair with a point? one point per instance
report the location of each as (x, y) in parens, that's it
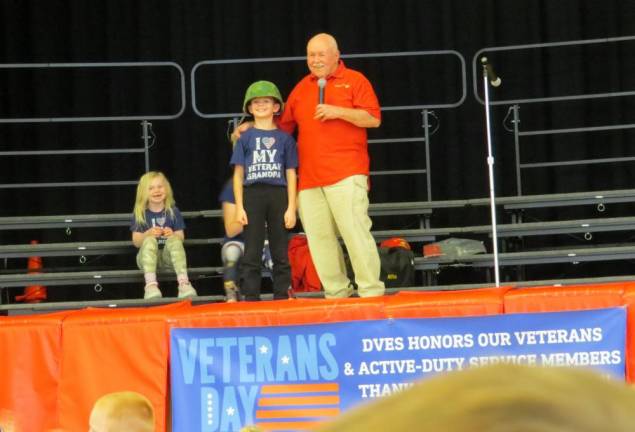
(122, 411)
(143, 188)
(501, 398)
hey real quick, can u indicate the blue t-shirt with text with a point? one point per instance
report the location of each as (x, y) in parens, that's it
(162, 219)
(265, 155)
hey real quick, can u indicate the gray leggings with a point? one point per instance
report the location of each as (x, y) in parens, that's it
(172, 257)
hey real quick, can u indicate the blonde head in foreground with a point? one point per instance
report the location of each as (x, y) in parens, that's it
(122, 412)
(501, 398)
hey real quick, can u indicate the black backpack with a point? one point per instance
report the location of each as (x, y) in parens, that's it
(397, 267)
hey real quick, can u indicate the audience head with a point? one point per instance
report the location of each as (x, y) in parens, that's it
(124, 411)
(501, 398)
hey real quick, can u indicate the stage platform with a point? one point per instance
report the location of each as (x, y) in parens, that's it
(48, 307)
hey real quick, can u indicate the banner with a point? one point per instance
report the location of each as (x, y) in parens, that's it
(295, 377)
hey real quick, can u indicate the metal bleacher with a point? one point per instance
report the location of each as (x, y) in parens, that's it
(573, 256)
(423, 209)
(421, 235)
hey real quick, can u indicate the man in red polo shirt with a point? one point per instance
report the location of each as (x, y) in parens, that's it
(334, 168)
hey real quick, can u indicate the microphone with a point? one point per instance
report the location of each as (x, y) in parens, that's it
(494, 79)
(321, 85)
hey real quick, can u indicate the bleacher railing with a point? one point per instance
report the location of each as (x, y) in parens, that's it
(299, 64)
(145, 118)
(504, 55)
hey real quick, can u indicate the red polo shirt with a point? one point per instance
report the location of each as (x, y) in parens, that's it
(332, 150)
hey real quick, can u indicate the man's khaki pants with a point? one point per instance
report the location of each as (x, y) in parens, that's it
(341, 209)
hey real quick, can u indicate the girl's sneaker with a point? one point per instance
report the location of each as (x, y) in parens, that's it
(151, 291)
(186, 290)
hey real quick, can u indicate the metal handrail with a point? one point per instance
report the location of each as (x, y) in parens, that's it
(425, 108)
(479, 53)
(515, 108)
(98, 65)
(261, 60)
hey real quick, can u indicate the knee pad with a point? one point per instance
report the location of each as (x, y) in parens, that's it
(232, 251)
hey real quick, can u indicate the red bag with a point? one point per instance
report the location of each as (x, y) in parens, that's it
(304, 277)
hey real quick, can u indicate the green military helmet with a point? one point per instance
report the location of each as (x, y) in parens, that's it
(262, 89)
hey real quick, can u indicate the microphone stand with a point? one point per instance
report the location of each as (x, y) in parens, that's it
(490, 166)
